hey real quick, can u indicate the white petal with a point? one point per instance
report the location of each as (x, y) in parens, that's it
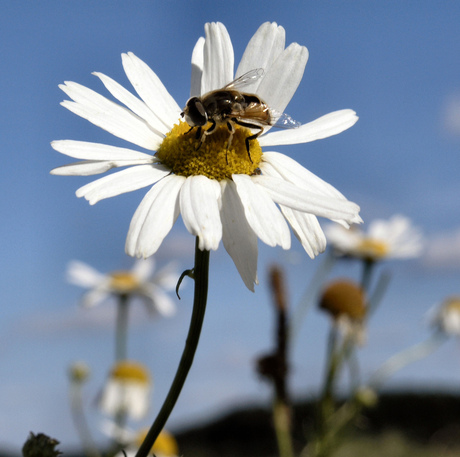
(197, 68)
(167, 277)
(94, 167)
(283, 77)
(307, 230)
(342, 238)
(154, 217)
(262, 50)
(86, 168)
(218, 58)
(109, 116)
(94, 297)
(281, 166)
(239, 239)
(83, 275)
(85, 150)
(128, 180)
(261, 213)
(199, 207)
(143, 269)
(150, 88)
(323, 127)
(161, 301)
(133, 103)
(287, 194)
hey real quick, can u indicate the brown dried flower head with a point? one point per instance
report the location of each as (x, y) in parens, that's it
(344, 298)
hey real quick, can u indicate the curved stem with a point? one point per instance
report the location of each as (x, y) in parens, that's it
(201, 271)
(406, 357)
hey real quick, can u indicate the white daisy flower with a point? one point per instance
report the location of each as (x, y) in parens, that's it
(222, 191)
(446, 317)
(139, 281)
(393, 238)
(127, 390)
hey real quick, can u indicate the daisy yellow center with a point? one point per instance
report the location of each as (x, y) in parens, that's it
(129, 371)
(123, 281)
(214, 158)
(165, 445)
(375, 249)
(452, 305)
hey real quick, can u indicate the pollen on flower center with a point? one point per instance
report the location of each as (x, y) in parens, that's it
(452, 305)
(181, 152)
(165, 445)
(123, 281)
(129, 371)
(375, 249)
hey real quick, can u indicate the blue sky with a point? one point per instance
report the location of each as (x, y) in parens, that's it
(397, 64)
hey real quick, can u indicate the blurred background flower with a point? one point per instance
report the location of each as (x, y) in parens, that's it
(446, 316)
(384, 239)
(127, 390)
(140, 281)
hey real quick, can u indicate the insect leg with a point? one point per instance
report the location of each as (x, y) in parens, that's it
(231, 129)
(202, 136)
(252, 137)
(189, 130)
(197, 136)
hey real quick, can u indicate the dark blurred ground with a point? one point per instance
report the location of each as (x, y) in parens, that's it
(420, 420)
(425, 419)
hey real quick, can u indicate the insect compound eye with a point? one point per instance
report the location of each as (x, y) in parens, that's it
(194, 112)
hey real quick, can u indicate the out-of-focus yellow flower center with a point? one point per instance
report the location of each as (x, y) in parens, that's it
(129, 371)
(164, 446)
(452, 305)
(123, 282)
(344, 297)
(181, 152)
(373, 249)
(79, 372)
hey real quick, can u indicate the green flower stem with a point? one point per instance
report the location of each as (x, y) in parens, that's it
(79, 419)
(201, 272)
(282, 422)
(309, 296)
(406, 357)
(121, 332)
(368, 268)
(339, 351)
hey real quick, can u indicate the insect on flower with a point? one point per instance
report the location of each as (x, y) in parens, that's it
(230, 106)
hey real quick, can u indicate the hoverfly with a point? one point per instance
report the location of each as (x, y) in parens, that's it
(231, 106)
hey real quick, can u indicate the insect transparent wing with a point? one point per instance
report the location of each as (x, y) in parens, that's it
(246, 80)
(282, 120)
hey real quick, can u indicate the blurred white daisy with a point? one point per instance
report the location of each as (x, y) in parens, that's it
(139, 281)
(393, 238)
(223, 192)
(127, 390)
(446, 317)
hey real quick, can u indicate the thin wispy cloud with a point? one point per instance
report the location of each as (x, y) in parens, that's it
(443, 250)
(451, 114)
